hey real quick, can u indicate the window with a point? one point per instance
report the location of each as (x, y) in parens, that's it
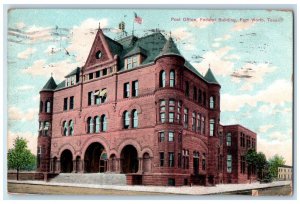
(161, 158)
(229, 163)
(91, 76)
(72, 78)
(41, 106)
(211, 127)
(103, 95)
(186, 117)
(162, 110)
(104, 72)
(211, 102)
(90, 98)
(134, 61)
(126, 90)
(179, 160)
(194, 121)
(187, 89)
(204, 99)
(126, 119)
(228, 139)
(243, 164)
(135, 88)
(179, 107)
(198, 122)
(46, 128)
(171, 159)
(98, 54)
(171, 136)
(172, 78)
(135, 119)
(195, 94)
(48, 107)
(71, 127)
(103, 123)
(202, 125)
(203, 161)
(90, 125)
(242, 139)
(71, 102)
(97, 97)
(65, 104)
(199, 96)
(161, 136)
(248, 141)
(97, 120)
(162, 79)
(65, 126)
(97, 74)
(171, 110)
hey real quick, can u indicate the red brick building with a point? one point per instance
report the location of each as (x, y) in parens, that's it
(138, 107)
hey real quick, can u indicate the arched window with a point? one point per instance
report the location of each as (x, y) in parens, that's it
(162, 79)
(71, 127)
(135, 119)
(97, 119)
(211, 127)
(211, 102)
(172, 78)
(65, 125)
(90, 125)
(41, 106)
(103, 123)
(126, 119)
(48, 107)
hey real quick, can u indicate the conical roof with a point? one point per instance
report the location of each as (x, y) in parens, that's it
(210, 78)
(170, 48)
(50, 85)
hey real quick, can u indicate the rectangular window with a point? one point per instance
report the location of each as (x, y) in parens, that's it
(228, 139)
(65, 104)
(91, 76)
(187, 89)
(97, 97)
(198, 122)
(179, 160)
(229, 163)
(199, 96)
(171, 110)
(243, 165)
(195, 94)
(135, 88)
(134, 61)
(161, 158)
(162, 109)
(193, 121)
(186, 117)
(179, 105)
(203, 125)
(171, 136)
(104, 72)
(211, 127)
(129, 63)
(90, 98)
(126, 90)
(171, 159)
(161, 137)
(97, 74)
(171, 117)
(71, 102)
(204, 99)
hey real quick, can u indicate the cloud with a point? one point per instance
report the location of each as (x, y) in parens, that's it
(25, 87)
(217, 62)
(29, 136)
(26, 53)
(240, 26)
(200, 23)
(215, 45)
(59, 69)
(265, 128)
(20, 25)
(52, 49)
(181, 34)
(277, 93)
(87, 31)
(16, 114)
(223, 38)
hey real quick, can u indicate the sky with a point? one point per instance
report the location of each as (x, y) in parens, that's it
(249, 51)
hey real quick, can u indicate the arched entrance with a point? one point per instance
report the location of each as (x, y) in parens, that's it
(129, 159)
(95, 158)
(66, 161)
(146, 162)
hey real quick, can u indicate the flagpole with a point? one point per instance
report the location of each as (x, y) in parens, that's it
(133, 27)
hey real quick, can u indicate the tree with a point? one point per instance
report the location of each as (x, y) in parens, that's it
(261, 163)
(274, 163)
(20, 157)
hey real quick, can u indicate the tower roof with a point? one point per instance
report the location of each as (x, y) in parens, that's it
(170, 48)
(210, 78)
(50, 85)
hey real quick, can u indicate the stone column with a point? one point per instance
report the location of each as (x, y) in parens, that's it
(57, 166)
(108, 165)
(51, 165)
(118, 165)
(74, 167)
(140, 165)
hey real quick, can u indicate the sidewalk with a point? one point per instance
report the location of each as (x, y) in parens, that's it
(186, 190)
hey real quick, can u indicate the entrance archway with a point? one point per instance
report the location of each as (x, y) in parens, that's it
(93, 162)
(129, 159)
(66, 161)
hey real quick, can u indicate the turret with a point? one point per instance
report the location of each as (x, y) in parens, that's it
(45, 125)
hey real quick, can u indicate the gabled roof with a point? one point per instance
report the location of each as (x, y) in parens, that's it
(170, 48)
(73, 72)
(210, 78)
(61, 85)
(50, 85)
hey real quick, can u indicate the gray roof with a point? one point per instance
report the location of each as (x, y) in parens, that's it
(50, 85)
(136, 50)
(73, 72)
(210, 78)
(169, 48)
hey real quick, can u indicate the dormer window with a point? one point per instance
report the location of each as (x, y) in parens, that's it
(71, 80)
(132, 62)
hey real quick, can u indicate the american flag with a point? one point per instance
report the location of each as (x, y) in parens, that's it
(137, 19)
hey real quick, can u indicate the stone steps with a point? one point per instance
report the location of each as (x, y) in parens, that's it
(90, 178)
